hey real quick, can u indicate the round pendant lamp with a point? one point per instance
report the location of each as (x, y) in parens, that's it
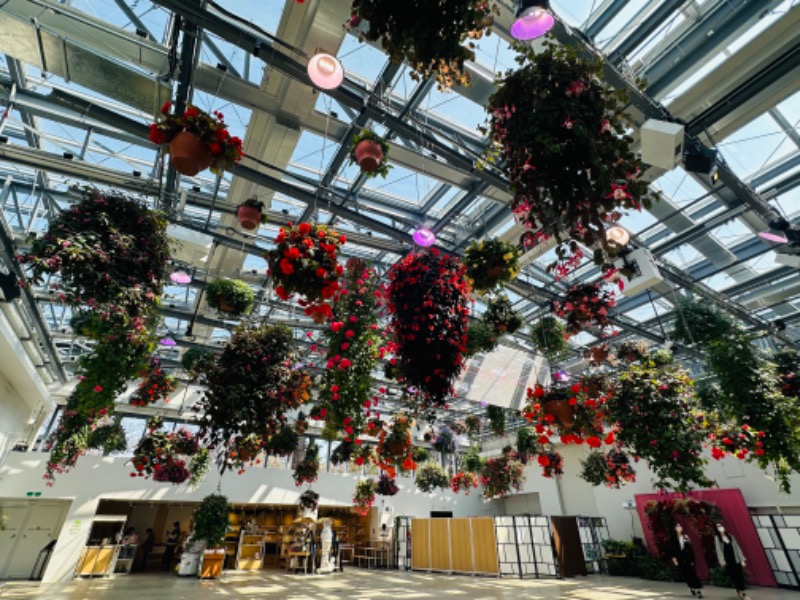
(325, 71)
(533, 20)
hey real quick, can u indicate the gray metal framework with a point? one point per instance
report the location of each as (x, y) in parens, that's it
(68, 126)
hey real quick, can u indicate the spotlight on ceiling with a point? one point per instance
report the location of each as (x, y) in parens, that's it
(618, 236)
(424, 237)
(778, 231)
(180, 278)
(325, 71)
(561, 376)
(167, 341)
(533, 20)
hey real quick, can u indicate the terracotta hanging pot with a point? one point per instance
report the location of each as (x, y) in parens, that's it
(501, 328)
(225, 306)
(189, 154)
(561, 409)
(600, 353)
(319, 317)
(369, 155)
(244, 454)
(249, 217)
(495, 271)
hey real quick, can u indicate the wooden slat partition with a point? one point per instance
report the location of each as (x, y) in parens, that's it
(461, 545)
(420, 548)
(440, 545)
(454, 545)
(484, 542)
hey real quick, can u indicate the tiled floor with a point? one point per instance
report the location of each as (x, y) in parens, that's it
(358, 584)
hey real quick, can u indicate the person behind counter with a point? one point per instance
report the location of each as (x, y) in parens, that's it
(173, 537)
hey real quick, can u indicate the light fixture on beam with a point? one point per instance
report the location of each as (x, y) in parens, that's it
(424, 237)
(325, 71)
(618, 236)
(533, 19)
(779, 231)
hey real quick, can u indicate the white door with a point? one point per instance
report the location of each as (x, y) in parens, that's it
(42, 525)
(15, 516)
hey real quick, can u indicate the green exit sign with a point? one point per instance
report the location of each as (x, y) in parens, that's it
(33, 494)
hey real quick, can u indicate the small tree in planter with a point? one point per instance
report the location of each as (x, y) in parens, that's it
(585, 304)
(305, 262)
(251, 213)
(490, 263)
(210, 526)
(371, 153)
(549, 336)
(558, 130)
(231, 296)
(501, 316)
(429, 36)
(197, 141)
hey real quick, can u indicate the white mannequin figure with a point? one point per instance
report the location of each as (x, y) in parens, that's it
(326, 537)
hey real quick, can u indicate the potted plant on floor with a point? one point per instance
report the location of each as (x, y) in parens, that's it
(370, 152)
(490, 263)
(196, 140)
(430, 37)
(210, 526)
(230, 296)
(251, 213)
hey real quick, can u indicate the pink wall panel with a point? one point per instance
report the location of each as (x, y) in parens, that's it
(737, 521)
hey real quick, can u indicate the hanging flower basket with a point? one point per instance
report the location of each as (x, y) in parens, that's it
(585, 304)
(251, 386)
(549, 336)
(432, 41)
(251, 214)
(552, 464)
(189, 154)
(307, 470)
(464, 482)
(558, 131)
(355, 342)
(395, 449)
(558, 406)
(502, 475)
(196, 140)
(174, 457)
(387, 486)
(364, 497)
(231, 296)
(156, 385)
(431, 477)
(428, 301)
(500, 315)
(309, 500)
(370, 152)
(490, 263)
(305, 262)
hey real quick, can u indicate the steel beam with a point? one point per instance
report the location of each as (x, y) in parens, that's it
(651, 23)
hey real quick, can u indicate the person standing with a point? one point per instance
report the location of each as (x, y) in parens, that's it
(683, 557)
(731, 558)
(173, 537)
(147, 546)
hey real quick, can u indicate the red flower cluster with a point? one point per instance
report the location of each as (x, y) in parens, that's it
(428, 301)
(585, 304)
(619, 471)
(305, 262)
(162, 455)
(226, 150)
(156, 385)
(464, 482)
(552, 464)
(735, 440)
(395, 447)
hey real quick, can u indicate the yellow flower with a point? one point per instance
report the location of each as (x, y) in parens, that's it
(508, 256)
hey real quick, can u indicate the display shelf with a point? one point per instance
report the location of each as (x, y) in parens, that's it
(250, 551)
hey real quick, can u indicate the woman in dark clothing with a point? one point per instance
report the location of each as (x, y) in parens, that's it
(731, 558)
(683, 558)
(147, 546)
(173, 537)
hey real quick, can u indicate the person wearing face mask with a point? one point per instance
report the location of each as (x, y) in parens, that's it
(731, 558)
(683, 558)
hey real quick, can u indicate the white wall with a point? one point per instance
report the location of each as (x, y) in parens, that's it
(24, 400)
(97, 478)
